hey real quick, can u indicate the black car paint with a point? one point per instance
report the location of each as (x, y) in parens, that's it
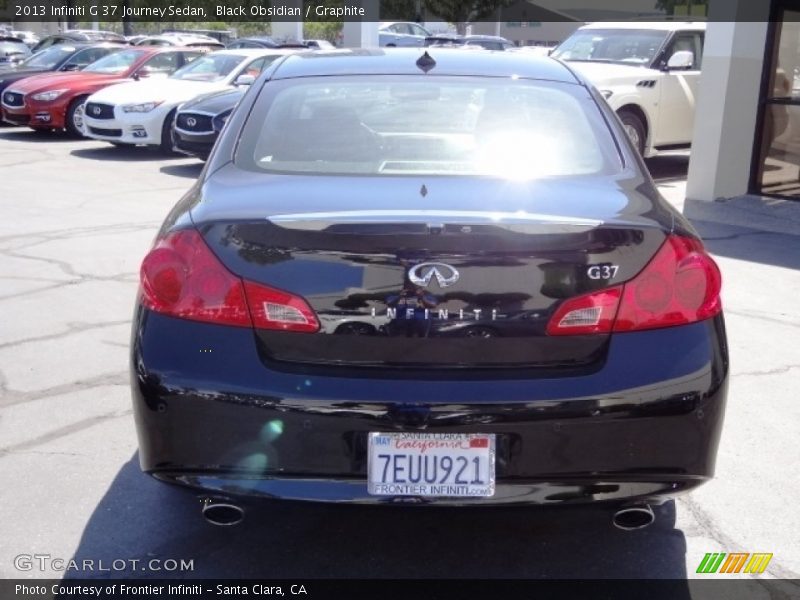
(639, 419)
(208, 110)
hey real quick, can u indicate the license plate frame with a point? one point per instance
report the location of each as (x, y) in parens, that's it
(470, 472)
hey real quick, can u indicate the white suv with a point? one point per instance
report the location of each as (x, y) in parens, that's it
(648, 73)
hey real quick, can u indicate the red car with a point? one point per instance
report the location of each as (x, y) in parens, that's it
(56, 100)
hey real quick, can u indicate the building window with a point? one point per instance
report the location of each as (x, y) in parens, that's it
(777, 155)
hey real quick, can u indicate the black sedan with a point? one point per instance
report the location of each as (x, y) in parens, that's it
(198, 122)
(412, 189)
(63, 57)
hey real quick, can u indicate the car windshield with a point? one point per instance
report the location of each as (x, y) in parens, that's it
(395, 125)
(115, 63)
(212, 67)
(624, 46)
(48, 58)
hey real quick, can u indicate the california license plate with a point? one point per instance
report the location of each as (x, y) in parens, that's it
(431, 464)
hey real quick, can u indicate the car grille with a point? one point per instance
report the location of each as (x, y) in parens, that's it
(194, 122)
(95, 110)
(106, 132)
(13, 99)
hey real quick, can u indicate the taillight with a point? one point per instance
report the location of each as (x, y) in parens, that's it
(276, 309)
(680, 285)
(181, 277)
(590, 313)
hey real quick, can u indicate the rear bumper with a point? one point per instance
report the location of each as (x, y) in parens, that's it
(211, 415)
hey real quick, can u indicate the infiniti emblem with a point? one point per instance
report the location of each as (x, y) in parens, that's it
(191, 121)
(423, 273)
(97, 110)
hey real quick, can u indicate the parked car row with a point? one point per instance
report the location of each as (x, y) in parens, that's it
(647, 72)
(127, 95)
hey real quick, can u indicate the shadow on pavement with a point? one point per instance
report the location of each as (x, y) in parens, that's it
(126, 153)
(145, 519)
(750, 245)
(191, 170)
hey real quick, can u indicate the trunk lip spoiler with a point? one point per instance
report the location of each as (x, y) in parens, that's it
(437, 219)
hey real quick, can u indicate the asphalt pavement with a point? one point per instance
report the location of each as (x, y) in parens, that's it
(76, 219)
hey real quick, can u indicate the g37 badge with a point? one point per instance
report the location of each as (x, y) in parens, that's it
(602, 271)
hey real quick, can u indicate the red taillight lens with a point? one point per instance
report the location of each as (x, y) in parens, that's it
(276, 309)
(680, 285)
(181, 277)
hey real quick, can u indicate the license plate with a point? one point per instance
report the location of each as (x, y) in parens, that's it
(431, 464)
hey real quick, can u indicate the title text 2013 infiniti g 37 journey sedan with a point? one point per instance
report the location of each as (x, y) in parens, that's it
(439, 277)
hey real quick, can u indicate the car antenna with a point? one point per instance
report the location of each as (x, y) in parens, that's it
(426, 62)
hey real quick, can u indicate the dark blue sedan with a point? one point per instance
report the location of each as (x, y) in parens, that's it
(428, 278)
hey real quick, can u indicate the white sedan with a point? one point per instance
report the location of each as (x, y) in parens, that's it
(142, 112)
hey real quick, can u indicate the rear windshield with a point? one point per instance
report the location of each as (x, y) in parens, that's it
(411, 125)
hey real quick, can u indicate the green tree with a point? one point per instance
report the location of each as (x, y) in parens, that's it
(399, 10)
(463, 12)
(315, 30)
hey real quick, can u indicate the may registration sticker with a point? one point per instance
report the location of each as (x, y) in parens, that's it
(431, 464)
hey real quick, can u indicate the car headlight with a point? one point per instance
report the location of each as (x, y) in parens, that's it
(48, 96)
(607, 94)
(144, 107)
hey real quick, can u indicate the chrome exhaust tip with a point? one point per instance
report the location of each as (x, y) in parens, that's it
(222, 513)
(634, 517)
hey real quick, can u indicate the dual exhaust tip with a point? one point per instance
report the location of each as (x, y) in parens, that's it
(222, 512)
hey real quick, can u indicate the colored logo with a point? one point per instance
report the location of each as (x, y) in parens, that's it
(735, 562)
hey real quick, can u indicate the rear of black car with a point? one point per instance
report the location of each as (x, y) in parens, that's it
(428, 288)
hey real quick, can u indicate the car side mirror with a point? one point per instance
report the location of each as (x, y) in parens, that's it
(244, 79)
(142, 73)
(681, 60)
(72, 67)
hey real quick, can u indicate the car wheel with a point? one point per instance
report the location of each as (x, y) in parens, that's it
(634, 128)
(75, 114)
(167, 141)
